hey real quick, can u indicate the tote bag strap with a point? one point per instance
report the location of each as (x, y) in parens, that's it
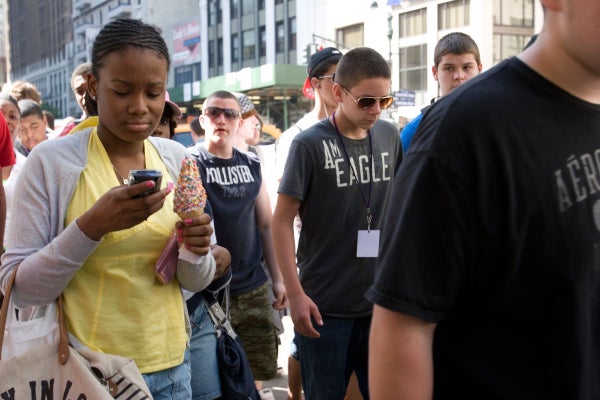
(4, 310)
(63, 344)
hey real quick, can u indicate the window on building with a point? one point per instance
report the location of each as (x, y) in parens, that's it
(248, 45)
(233, 7)
(292, 33)
(235, 48)
(513, 13)
(211, 53)
(278, 1)
(453, 14)
(262, 41)
(220, 52)
(280, 37)
(351, 36)
(506, 46)
(261, 5)
(212, 13)
(187, 74)
(413, 23)
(413, 67)
(247, 7)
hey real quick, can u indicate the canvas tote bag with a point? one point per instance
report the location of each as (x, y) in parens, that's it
(57, 370)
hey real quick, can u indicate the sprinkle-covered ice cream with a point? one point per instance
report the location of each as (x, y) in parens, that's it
(189, 198)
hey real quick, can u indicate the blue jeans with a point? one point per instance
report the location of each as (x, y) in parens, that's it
(203, 346)
(328, 361)
(172, 383)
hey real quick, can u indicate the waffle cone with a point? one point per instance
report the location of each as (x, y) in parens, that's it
(196, 213)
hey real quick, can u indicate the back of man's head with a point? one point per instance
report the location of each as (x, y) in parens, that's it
(29, 107)
(456, 43)
(197, 131)
(361, 63)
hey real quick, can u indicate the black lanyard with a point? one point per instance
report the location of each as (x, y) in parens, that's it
(366, 200)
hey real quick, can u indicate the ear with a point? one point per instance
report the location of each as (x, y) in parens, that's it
(92, 86)
(434, 71)
(479, 67)
(337, 92)
(315, 83)
(202, 122)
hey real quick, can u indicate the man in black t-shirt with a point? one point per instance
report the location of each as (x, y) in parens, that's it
(488, 286)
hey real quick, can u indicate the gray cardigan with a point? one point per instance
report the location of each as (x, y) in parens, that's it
(48, 252)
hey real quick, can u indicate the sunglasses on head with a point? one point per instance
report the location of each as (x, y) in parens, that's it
(215, 112)
(367, 102)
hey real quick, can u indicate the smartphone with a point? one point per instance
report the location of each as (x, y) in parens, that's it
(141, 175)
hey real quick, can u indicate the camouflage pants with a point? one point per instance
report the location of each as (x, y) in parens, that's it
(252, 320)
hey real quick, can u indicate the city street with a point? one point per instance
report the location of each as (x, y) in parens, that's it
(279, 385)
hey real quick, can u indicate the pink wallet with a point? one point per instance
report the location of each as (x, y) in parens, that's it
(166, 266)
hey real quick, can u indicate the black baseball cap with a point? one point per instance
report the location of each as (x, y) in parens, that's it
(328, 55)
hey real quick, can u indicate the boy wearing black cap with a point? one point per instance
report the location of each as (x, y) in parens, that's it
(337, 178)
(321, 67)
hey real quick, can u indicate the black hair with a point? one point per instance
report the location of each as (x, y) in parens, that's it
(361, 63)
(91, 107)
(196, 127)
(123, 33)
(29, 107)
(455, 43)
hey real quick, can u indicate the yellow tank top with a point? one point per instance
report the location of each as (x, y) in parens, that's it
(114, 303)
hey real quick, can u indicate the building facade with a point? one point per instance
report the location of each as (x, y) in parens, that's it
(40, 41)
(260, 47)
(406, 31)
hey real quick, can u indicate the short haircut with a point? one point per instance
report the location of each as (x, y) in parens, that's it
(81, 70)
(196, 127)
(359, 64)
(455, 43)
(29, 107)
(25, 90)
(223, 94)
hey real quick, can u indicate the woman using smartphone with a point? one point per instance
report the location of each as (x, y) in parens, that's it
(85, 233)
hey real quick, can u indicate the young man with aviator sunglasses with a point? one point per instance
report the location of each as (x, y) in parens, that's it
(337, 177)
(242, 219)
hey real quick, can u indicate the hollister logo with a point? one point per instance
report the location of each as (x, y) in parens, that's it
(44, 390)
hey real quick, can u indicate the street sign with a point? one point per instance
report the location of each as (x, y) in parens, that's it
(404, 97)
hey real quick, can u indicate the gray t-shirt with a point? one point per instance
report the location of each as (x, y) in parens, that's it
(333, 210)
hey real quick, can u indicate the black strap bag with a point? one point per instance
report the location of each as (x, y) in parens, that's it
(237, 381)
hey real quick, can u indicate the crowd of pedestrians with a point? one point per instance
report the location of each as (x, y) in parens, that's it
(457, 258)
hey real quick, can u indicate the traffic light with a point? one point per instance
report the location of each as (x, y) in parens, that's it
(306, 54)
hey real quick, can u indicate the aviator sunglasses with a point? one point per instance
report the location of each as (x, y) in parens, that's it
(367, 102)
(215, 112)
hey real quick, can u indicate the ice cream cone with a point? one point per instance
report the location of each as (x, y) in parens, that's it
(191, 214)
(189, 198)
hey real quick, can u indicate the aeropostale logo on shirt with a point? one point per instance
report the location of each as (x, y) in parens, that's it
(229, 175)
(377, 171)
